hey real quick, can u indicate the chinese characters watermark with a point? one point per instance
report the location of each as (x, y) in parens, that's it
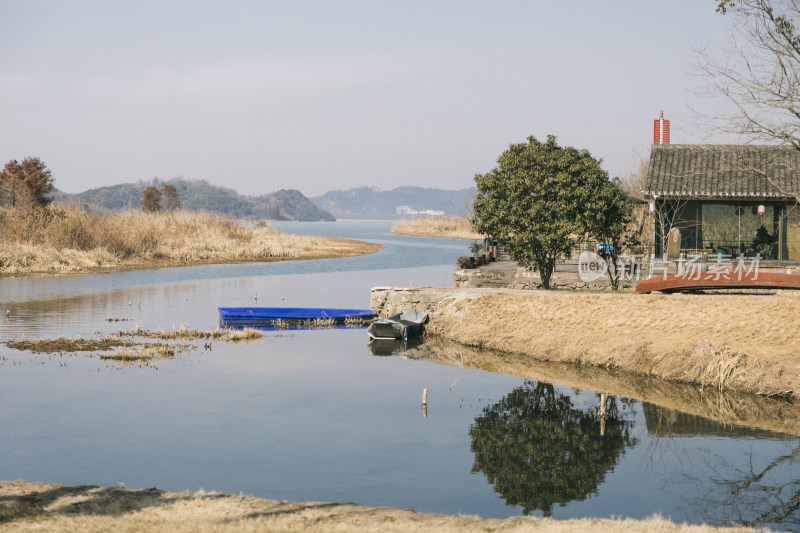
(592, 266)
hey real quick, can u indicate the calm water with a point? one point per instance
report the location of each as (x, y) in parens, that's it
(313, 415)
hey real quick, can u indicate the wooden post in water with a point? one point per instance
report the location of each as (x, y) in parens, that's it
(602, 414)
(425, 403)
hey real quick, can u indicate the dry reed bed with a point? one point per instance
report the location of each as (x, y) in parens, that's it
(726, 407)
(28, 507)
(453, 227)
(62, 240)
(114, 348)
(745, 343)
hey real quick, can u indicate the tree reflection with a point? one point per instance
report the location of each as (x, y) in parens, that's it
(755, 492)
(537, 448)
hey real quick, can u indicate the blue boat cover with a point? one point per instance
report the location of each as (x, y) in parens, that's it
(290, 313)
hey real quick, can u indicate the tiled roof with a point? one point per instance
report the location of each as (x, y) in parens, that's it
(723, 171)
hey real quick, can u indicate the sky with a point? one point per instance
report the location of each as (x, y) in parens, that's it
(259, 96)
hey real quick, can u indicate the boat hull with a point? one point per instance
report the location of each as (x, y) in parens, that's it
(267, 316)
(403, 326)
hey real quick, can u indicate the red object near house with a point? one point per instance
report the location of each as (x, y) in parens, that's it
(711, 280)
(661, 130)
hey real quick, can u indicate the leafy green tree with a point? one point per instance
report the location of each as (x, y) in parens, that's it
(25, 184)
(170, 193)
(539, 201)
(607, 217)
(538, 449)
(151, 200)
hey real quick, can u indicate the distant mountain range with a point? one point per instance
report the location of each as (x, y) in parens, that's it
(288, 204)
(358, 203)
(372, 203)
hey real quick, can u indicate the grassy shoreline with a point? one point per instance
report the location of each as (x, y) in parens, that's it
(737, 343)
(26, 506)
(444, 226)
(726, 342)
(58, 240)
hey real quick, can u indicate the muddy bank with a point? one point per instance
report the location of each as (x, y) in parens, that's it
(28, 506)
(744, 343)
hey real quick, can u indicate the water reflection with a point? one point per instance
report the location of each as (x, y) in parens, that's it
(538, 448)
(666, 422)
(728, 408)
(392, 346)
(758, 489)
(757, 492)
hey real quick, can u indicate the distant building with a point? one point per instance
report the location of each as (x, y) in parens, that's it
(408, 210)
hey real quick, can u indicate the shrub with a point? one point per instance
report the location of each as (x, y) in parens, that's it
(466, 262)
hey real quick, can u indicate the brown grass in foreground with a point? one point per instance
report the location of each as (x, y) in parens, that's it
(64, 240)
(453, 227)
(31, 507)
(746, 343)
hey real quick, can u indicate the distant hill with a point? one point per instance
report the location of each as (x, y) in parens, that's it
(371, 203)
(200, 195)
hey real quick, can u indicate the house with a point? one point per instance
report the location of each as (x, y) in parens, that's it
(725, 199)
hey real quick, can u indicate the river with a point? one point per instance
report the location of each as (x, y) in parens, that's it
(313, 415)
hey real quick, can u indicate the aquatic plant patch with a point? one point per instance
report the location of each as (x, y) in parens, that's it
(117, 348)
(66, 344)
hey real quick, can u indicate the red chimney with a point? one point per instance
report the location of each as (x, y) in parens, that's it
(661, 130)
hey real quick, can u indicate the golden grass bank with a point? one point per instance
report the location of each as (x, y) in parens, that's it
(742, 343)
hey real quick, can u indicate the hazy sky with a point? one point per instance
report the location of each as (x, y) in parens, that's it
(260, 96)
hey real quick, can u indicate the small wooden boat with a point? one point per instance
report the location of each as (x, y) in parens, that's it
(713, 280)
(267, 316)
(407, 325)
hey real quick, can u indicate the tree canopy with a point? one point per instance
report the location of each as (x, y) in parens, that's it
(25, 184)
(170, 193)
(542, 198)
(151, 199)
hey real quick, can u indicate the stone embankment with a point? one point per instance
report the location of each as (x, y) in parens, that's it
(728, 342)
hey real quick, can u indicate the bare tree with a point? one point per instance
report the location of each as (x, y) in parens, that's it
(635, 180)
(759, 73)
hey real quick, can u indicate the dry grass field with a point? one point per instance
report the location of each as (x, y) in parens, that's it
(727, 342)
(30, 507)
(453, 227)
(68, 240)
